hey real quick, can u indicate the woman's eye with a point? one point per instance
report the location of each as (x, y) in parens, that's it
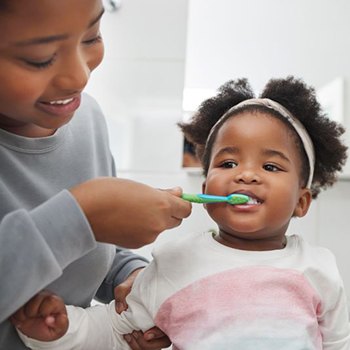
(228, 164)
(41, 64)
(94, 40)
(271, 167)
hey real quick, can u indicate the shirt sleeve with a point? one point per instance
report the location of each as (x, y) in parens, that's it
(36, 245)
(100, 327)
(89, 329)
(333, 314)
(142, 305)
(335, 325)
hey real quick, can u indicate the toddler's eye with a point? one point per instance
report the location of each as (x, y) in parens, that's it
(271, 167)
(229, 164)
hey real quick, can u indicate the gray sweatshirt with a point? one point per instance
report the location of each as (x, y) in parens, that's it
(45, 239)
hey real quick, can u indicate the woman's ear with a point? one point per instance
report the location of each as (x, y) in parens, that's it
(303, 204)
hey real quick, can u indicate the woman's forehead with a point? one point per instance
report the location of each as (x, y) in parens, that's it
(54, 19)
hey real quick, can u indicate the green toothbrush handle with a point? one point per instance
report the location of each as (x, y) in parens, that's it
(203, 198)
(192, 198)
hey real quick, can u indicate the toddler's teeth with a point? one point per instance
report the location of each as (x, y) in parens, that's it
(253, 201)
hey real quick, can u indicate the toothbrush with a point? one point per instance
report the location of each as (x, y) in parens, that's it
(234, 198)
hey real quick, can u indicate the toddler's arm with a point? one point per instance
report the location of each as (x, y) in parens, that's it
(100, 327)
(89, 329)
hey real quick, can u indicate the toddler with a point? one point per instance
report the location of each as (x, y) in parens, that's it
(250, 286)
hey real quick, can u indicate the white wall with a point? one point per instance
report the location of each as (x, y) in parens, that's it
(266, 39)
(146, 67)
(140, 82)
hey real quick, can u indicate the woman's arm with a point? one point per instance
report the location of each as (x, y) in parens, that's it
(36, 245)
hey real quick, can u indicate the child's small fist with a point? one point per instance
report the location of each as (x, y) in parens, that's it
(44, 317)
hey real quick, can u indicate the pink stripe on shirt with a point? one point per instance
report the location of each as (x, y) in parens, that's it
(249, 305)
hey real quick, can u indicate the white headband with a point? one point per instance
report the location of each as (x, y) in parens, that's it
(297, 125)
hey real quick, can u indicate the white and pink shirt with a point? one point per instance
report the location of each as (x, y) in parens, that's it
(205, 295)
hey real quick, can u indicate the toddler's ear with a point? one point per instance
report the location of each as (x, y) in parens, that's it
(303, 204)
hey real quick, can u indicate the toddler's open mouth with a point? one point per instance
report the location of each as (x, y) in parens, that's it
(253, 200)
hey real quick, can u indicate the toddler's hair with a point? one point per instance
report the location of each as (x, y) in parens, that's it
(300, 100)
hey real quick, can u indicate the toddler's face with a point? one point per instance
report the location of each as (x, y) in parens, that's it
(46, 57)
(256, 154)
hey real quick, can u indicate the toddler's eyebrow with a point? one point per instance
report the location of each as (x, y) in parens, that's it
(227, 150)
(52, 38)
(266, 151)
(273, 152)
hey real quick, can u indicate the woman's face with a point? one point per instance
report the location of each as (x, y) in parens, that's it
(255, 154)
(46, 57)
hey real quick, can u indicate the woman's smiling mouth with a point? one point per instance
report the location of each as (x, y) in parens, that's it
(60, 107)
(61, 102)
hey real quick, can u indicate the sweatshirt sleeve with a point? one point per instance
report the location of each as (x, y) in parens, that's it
(36, 245)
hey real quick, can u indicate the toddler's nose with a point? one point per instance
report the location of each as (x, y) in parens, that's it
(247, 176)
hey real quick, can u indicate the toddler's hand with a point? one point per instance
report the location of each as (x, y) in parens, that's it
(154, 338)
(44, 317)
(122, 290)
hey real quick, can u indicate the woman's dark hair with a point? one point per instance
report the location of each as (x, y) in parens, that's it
(300, 100)
(3, 5)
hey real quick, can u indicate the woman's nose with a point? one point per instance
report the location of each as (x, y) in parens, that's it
(73, 75)
(247, 176)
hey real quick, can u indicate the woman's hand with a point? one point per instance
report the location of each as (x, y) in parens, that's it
(153, 339)
(128, 213)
